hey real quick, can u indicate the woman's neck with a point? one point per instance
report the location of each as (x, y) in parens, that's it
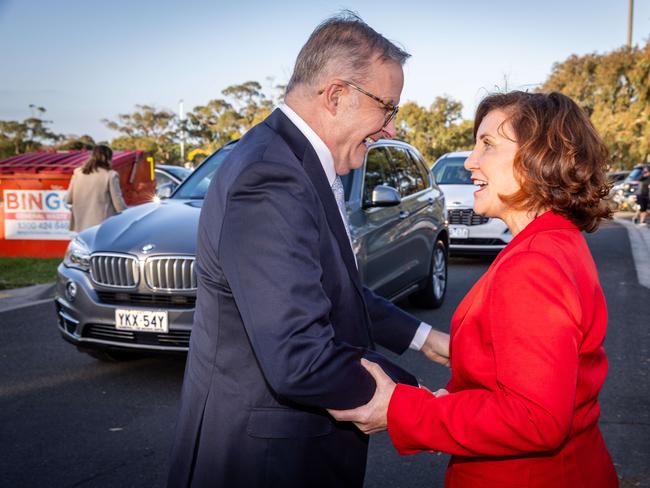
(517, 220)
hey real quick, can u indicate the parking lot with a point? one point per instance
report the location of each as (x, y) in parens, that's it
(67, 420)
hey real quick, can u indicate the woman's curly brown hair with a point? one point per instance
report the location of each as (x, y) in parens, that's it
(561, 161)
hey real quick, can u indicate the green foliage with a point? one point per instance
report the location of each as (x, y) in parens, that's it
(26, 136)
(206, 127)
(614, 89)
(436, 130)
(224, 119)
(149, 129)
(19, 272)
(74, 143)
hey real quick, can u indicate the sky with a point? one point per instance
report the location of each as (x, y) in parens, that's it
(86, 60)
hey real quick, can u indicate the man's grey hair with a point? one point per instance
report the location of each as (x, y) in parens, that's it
(343, 45)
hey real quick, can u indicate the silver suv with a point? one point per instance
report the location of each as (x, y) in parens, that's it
(469, 232)
(129, 284)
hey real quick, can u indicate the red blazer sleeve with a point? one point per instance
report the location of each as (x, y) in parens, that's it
(530, 319)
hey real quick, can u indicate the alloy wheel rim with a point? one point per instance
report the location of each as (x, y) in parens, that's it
(439, 276)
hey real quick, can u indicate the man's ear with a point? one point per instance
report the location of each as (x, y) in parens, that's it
(332, 96)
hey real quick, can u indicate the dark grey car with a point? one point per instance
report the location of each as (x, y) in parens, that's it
(129, 284)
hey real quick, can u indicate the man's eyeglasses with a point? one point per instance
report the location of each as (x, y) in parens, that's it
(391, 110)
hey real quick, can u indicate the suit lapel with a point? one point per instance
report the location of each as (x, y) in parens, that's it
(314, 169)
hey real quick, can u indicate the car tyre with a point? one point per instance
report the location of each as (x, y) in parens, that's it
(433, 294)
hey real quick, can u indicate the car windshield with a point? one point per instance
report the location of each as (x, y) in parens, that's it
(450, 171)
(196, 185)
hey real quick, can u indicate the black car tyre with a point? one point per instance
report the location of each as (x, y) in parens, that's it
(433, 294)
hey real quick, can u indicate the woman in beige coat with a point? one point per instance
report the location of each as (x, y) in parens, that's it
(94, 193)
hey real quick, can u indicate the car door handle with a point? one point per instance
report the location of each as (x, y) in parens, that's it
(431, 201)
(403, 214)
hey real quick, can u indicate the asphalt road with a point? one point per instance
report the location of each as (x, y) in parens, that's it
(67, 420)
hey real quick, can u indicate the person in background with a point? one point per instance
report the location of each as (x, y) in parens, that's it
(94, 193)
(527, 358)
(643, 197)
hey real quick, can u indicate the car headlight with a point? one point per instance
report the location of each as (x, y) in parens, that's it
(77, 255)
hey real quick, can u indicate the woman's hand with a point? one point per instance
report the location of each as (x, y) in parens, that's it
(371, 417)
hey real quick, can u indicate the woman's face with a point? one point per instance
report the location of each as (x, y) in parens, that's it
(491, 163)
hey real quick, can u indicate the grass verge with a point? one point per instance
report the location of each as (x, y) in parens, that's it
(19, 272)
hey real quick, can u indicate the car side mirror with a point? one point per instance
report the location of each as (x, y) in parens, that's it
(384, 196)
(164, 191)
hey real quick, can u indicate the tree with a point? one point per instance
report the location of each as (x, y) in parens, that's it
(29, 135)
(436, 130)
(148, 129)
(74, 143)
(224, 119)
(213, 125)
(251, 103)
(614, 89)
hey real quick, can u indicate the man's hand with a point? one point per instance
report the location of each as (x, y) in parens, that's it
(371, 417)
(436, 347)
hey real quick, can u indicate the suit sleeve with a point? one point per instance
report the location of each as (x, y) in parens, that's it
(269, 250)
(532, 314)
(392, 327)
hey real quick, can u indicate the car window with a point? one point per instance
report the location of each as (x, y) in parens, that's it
(179, 172)
(409, 179)
(162, 178)
(451, 171)
(635, 174)
(421, 168)
(378, 172)
(196, 184)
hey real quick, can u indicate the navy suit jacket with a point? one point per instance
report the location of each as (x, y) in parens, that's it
(281, 323)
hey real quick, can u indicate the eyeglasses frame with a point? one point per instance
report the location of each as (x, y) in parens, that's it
(389, 107)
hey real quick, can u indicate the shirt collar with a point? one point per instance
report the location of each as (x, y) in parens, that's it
(322, 151)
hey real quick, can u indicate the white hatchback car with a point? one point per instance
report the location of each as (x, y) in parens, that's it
(468, 231)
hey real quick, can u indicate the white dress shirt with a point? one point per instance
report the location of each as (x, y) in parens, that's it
(326, 159)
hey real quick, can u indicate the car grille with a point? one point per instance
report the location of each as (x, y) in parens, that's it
(174, 338)
(162, 273)
(466, 216)
(141, 299)
(170, 273)
(117, 270)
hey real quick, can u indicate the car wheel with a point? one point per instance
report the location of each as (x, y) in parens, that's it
(433, 294)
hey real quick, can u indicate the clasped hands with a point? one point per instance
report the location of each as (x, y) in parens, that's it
(373, 416)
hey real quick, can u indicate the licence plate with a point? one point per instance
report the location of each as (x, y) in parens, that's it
(142, 320)
(458, 232)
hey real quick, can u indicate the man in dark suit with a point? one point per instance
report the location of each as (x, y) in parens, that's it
(282, 320)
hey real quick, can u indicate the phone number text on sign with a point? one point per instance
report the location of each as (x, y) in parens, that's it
(36, 214)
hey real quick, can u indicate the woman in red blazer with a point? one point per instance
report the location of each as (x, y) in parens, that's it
(527, 358)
